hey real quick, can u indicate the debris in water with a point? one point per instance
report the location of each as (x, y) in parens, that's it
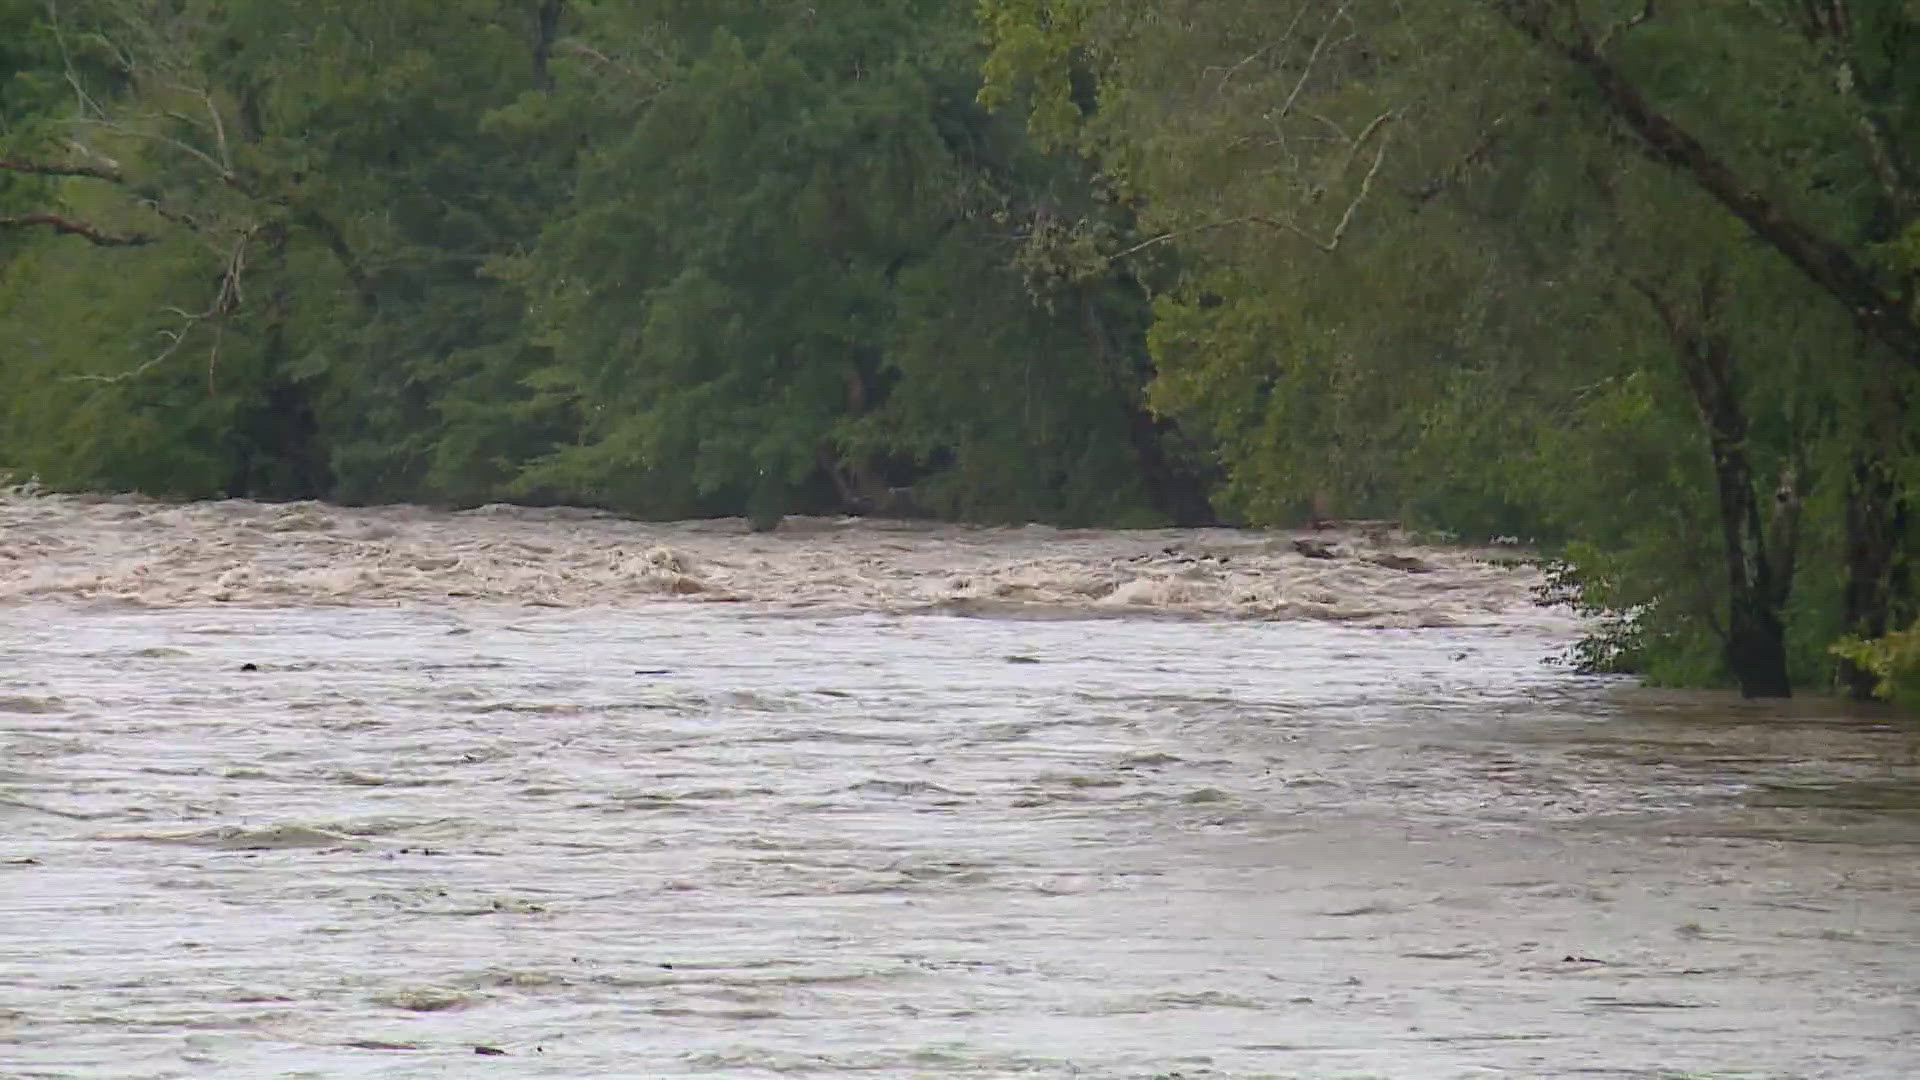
(1315, 549)
(1405, 563)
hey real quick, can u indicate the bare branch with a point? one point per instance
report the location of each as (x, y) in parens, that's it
(72, 75)
(1175, 234)
(1306, 70)
(1233, 69)
(178, 217)
(1453, 174)
(217, 129)
(1339, 132)
(1366, 183)
(1328, 243)
(109, 172)
(602, 59)
(225, 174)
(226, 301)
(61, 168)
(220, 129)
(1366, 133)
(67, 226)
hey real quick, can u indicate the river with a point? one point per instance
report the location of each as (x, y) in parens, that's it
(305, 791)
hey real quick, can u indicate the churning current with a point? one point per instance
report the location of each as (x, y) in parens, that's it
(848, 825)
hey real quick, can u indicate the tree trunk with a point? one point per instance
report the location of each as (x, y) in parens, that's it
(1758, 559)
(546, 30)
(1172, 488)
(1756, 646)
(1757, 649)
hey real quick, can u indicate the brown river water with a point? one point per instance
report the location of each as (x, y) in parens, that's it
(322, 792)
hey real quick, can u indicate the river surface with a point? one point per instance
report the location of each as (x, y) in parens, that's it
(305, 832)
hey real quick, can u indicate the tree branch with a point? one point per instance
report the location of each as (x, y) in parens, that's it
(1891, 166)
(1306, 69)
(67, 226)
(1366, 182)
(1452, 175)
(1326, 244)
(226, 175)
(225, 302)
(62, 168)
(1176, 234)
(1823, 261)
(81, 98)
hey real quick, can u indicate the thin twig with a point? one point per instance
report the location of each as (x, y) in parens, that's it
(1313, 56)
(1176, 234)
(72, 75)
(226, 301)
(225, 174)
(1366, 185)
(1327, 244)
(1233, 69)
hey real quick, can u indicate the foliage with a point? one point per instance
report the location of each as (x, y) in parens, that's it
(1619, 277)
(1894, 661)
(840, 317)
(673, 257)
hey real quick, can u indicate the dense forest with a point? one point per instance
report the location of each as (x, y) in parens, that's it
(1637, 281)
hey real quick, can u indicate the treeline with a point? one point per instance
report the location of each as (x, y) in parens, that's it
(1636, 280)
(677, 258)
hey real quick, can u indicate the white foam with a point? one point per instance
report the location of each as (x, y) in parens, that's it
(235, 551)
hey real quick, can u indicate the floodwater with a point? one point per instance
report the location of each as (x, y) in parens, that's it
(893, 801)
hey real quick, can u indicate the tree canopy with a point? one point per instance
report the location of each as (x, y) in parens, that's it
(1637, 277)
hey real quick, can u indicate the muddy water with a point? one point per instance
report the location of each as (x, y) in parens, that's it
(305, 831)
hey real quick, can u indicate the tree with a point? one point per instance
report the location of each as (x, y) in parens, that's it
(785, 281)
(300, 198)
(1468, 225)
(1855, 68)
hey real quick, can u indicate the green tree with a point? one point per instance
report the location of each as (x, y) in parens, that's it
(786, 280)
(291, 205)
(1473, 258)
